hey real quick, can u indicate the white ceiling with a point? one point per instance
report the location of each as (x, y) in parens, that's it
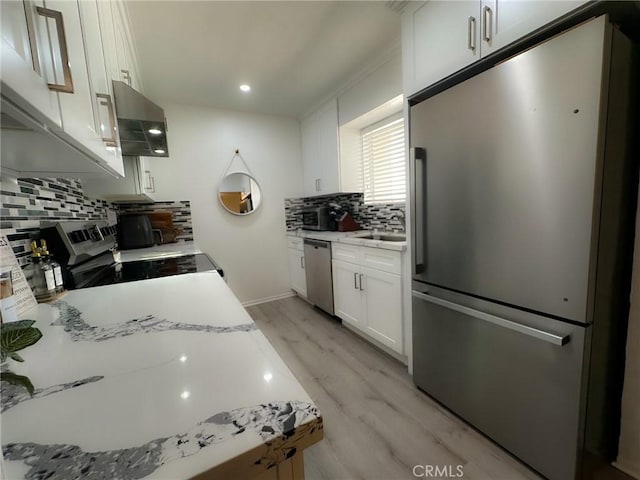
(291, 53)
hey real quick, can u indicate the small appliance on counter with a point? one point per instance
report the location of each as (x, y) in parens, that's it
(134, 231)
(317, 219)
(85, 252)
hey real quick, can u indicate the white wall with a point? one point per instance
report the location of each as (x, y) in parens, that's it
(251, 249)
(629, 448)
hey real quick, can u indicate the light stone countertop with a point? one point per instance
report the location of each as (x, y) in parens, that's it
(352, 238)
(161, 378)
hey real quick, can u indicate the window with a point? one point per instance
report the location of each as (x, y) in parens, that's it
(383, 161)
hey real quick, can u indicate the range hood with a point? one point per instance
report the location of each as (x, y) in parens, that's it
(141, 123)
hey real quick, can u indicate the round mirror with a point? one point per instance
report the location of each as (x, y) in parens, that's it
(239, 193)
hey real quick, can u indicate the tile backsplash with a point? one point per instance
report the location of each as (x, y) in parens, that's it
(181, 211)
(26, 203)
(369, 216)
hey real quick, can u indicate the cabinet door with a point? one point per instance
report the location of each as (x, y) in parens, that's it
(77, 107)
(309, 134)
(438, 38)
(126, 59)
(382, 294)
(24, 47)
(109, 44)
(297, 275)
(328, 166)
(504, 21)
(347, 296)
(100, 86)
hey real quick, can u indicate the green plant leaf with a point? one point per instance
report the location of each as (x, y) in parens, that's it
(3, 356)
(16, 357)
(6, 327)
(16, 339)
(20, 380)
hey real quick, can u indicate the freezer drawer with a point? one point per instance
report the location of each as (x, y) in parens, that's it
(516, 381)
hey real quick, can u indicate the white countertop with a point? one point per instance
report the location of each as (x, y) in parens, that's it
(170, 374)
(351, 238)
(166, 250)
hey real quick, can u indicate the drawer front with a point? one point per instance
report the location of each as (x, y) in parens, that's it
(294, 242)
(347, 253)
(380, 259)
(521, 391)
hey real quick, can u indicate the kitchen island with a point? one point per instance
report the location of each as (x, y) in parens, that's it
(163, 378)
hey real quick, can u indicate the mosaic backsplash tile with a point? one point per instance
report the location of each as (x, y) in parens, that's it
(181, 214)
(369, 216)
(26, 203)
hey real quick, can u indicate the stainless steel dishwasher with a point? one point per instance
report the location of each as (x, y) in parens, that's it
(317, 260)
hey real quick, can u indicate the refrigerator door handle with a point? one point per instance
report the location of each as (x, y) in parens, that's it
(549, 337)
(418, 162)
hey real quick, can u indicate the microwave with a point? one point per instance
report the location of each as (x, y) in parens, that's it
(316, 219)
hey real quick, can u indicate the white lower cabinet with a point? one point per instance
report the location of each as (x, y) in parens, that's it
(347, 296)
(297, 273)
(369, 299)
(382, 298)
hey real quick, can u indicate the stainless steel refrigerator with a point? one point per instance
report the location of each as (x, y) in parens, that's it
(523, 189)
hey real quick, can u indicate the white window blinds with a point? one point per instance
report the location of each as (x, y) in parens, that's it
(384, 162)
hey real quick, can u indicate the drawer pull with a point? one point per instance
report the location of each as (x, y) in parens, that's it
(67, 86)
(105, 101)
(549, 337)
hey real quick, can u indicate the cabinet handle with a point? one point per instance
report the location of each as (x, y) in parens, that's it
(553, 338)
(301, 262)
(471, 41)
(105, 101)
(355, 281)
(150, 185)
(361, 289)
(67, 86)
(126, 75)
(487, 20)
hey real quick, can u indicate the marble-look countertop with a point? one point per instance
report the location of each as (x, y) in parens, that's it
(163, 378)
(166, 250)
(352, 238)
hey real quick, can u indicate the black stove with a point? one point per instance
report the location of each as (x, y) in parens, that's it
(97, 274)
(89, 262)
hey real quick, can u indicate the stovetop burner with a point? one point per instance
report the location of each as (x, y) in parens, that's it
(98, 272)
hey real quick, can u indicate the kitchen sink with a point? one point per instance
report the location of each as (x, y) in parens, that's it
(385, 238)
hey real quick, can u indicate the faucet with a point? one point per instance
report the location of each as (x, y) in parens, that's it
(401, 217)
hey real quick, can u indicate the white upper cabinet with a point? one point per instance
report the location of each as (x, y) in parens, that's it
(25, 60)
(504, 21)
(76, 104)
(138, 184)
(57, 67)
(441, 37)
(102, 102)
(438, 38)
(320, 153)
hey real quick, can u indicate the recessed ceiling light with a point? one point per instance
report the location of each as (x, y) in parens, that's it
(159, 150)
(155, 131)
(245, 88)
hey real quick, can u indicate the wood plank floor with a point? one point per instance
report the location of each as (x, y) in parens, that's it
(377, 424)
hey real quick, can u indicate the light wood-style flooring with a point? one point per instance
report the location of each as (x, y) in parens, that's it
(377, 424)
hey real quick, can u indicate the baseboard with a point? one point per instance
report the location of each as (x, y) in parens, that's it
(628, 467)
(251, 303)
